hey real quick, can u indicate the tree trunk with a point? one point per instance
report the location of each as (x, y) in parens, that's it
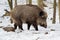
(54, 14)
(59, 9)
(40, 3)
(28, 1)
(11, 7)
(10, 4)
(15, 3)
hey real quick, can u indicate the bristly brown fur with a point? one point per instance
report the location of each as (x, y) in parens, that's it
(29, 14)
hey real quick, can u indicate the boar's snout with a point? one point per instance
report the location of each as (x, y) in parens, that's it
(43, 25)
(42, 22)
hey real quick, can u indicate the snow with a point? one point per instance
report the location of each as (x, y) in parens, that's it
(29, 34)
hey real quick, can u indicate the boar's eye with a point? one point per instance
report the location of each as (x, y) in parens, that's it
(41, 13)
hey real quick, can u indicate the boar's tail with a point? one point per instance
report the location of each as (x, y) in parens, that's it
(6, 10)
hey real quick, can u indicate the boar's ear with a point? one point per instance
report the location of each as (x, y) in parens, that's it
(41, 13)
(6, 10)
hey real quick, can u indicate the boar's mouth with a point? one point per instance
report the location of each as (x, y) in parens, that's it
(43, 24)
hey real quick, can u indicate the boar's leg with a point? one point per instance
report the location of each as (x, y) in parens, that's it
(35, 26)
(20, 25)
(29, 24)
(15, 26)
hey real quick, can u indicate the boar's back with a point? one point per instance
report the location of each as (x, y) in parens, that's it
(25, 12)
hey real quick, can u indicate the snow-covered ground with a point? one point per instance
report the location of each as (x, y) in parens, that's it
(31, 34)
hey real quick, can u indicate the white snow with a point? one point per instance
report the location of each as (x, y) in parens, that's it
(30, 34)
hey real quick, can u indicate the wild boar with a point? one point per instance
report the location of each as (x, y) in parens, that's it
(30, 14)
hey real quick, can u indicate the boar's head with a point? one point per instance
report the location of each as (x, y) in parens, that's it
(42, 19)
